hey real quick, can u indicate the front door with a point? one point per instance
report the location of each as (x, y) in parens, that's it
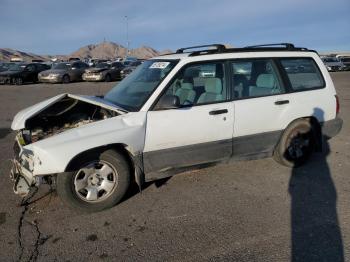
(198, 132)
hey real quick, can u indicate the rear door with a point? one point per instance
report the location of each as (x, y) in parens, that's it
(200, 131)
(260, 102)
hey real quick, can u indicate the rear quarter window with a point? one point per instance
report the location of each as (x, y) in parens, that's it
(303, 73)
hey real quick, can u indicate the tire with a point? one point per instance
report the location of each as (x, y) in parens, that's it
(18, 81)
(65, 79)
(108, 78)
(70, 184)
(296, 144)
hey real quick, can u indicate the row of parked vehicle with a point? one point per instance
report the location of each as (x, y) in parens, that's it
(65, 72)
(336, 63)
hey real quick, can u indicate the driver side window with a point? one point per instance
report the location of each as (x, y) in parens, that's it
(31, 68)
(198, 84)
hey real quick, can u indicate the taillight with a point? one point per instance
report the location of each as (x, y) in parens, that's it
(337, 109)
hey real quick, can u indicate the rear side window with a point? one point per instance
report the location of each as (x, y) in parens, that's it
(255, 78)
(303, 73)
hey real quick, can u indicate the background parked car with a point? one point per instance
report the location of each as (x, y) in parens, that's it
(94, 61)
(333, 64)
(129, 68)
(4, 66)
(19, 73)
(346, 61)
(104, 72)
(64, 72)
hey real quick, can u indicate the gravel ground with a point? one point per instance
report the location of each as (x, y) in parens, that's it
(247, 211)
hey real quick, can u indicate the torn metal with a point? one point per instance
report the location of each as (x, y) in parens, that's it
(50, 134)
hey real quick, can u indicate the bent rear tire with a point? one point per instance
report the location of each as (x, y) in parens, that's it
(99, 181)
(296, 144)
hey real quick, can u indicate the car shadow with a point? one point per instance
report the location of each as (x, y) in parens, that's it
(316, 234)
(134, 189)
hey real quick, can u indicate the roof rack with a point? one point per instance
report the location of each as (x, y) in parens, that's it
(218, 47)
(288, 46)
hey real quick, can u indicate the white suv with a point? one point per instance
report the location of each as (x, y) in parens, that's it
(199, 105)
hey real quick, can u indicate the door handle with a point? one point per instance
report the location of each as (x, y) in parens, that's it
(282, 102)
(218, 112)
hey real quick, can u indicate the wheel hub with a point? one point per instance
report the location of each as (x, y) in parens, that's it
(95, 181)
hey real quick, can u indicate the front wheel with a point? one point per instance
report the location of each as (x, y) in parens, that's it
(99, 181)
(18, 81)
(296, 144)
(108, 78)
(65, 79)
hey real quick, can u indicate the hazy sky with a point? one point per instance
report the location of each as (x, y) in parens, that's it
(62, 26)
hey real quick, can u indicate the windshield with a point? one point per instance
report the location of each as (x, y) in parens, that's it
(17, 67)
(346, 59)
(103, 65)
(61, 66)
(133, 91)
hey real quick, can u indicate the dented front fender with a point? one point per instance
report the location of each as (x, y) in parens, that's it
(53, 154)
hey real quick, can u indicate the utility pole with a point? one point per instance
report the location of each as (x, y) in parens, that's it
(127, 36)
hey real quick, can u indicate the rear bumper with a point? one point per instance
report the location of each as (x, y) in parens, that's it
(332, 127)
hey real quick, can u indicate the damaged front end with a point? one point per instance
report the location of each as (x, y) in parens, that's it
(47, 119)
(22, 168)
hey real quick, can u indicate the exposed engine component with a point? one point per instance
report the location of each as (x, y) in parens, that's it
(66, 114)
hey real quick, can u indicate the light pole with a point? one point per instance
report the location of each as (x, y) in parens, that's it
(127, 36)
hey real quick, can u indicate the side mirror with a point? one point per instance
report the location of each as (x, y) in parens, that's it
(168, 102)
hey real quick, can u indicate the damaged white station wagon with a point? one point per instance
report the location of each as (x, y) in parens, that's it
(204, 104)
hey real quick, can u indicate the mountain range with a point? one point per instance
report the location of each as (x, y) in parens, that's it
(104, 50)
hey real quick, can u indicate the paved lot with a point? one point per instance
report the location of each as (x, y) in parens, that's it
(247, 211)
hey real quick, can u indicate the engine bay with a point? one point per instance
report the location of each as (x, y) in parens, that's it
(65, 114)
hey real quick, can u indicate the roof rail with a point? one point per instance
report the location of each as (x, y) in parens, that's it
(286, 45)
(218, 48)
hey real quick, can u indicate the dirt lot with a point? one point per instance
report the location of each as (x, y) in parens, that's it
(248, 211)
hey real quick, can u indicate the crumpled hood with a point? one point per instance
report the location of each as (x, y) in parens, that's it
(95, 70)
(22, 116)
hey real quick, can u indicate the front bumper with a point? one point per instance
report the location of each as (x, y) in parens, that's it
(91, 77)
(22, 170)
(332, 127)
(47, 79)
(5, 80)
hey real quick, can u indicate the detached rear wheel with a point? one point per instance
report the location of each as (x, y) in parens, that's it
(98, 182)
(296, 145)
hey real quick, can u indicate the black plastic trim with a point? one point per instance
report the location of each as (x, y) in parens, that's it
(167, 162)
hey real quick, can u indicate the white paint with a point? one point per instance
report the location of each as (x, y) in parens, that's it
(178, 127)
(187, 126)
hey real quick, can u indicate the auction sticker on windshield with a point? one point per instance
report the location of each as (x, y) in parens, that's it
(159, 65)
